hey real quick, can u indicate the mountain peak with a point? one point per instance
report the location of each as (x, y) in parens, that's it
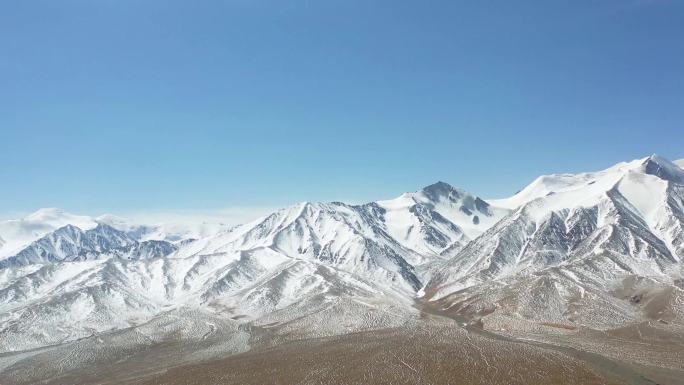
(656, 159)
(440, 188)
(68, 227)
(662, 168)
(439, 185)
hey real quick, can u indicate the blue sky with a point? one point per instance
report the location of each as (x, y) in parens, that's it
(123, 105)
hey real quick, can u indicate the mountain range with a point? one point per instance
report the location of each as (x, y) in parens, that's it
(598, 250)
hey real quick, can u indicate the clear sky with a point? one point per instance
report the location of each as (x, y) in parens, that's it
(125, 105)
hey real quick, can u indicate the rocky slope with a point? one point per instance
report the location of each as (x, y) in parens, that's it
(299, 261)
(598, 250)
(601, 249)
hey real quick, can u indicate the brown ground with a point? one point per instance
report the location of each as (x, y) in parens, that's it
(435, 350)
(439, 356)
(558, 326)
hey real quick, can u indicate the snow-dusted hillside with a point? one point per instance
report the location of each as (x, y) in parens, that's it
(69, 243)
(602, 249)
(292, 263)
(17, 234)
(577, 243)
(437, 217)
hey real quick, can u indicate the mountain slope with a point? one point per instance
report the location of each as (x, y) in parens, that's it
(570, 253)
(602, 249)
(17, 233)
(573, 235)
(437, 217)
(300, 262)
(69, 243)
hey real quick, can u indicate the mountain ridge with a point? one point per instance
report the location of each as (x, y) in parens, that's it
(592, 233)
(298, 260)
(574, 244)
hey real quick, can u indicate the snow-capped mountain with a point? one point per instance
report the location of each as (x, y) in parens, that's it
(69, 243)
(294, 262)
(437, 217)
(564, 247)
(17, 234)
(573, 242)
